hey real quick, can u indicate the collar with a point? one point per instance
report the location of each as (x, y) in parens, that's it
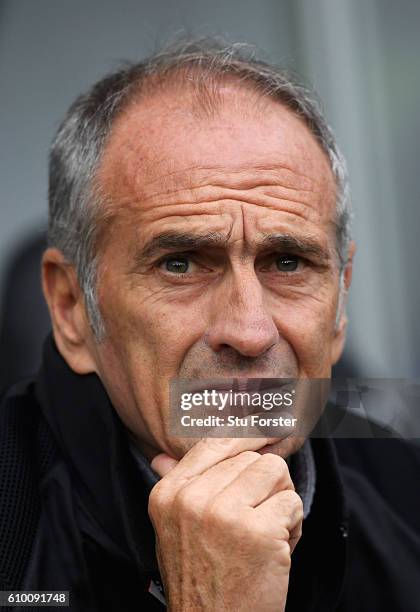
(303, 474)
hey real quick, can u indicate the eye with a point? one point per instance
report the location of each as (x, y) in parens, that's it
(177, 265)
(287, 263)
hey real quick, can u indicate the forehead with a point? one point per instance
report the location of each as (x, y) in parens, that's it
(161, 150)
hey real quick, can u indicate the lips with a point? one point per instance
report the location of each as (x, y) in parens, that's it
(273, 385)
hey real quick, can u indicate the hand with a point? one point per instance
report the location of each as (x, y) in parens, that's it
(226, 520)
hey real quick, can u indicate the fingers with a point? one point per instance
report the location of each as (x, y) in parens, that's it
(286, 509)
(209, 452)
(246, 480)
(162, 464)
(205, 487)
(257, 481)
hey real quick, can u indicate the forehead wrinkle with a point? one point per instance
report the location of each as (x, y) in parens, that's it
(132, 214)
(199, 201)
(223, 184)
(131, 182)
(238, 175)
(274, 197)
(255, 173)
(141, 174)
(256, 189)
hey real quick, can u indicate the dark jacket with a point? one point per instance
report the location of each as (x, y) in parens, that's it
(73, 509)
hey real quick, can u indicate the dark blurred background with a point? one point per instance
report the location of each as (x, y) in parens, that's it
(362, 57)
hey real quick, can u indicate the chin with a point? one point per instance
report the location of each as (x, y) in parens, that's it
(178, 447)
(283, 448)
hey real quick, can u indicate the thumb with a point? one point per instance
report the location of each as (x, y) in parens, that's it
(162, 464)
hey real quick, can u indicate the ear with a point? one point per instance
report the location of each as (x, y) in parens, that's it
(66, 304)
(341, 323)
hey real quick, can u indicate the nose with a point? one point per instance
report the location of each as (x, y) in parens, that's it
(241, 320)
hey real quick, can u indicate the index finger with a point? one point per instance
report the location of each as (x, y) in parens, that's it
(210, 451)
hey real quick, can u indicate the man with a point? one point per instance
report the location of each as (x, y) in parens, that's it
(199, 228)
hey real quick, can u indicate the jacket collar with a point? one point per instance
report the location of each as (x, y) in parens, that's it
(93, 442)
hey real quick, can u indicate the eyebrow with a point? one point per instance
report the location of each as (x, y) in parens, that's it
(304, 245)
(186, 241)
(180, 240)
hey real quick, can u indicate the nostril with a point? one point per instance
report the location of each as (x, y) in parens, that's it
(234, 360)
(224, 347)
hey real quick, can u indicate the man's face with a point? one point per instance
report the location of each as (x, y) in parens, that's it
(256, 296)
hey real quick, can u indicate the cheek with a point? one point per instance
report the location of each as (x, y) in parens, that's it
(153, 334)
(308, 327)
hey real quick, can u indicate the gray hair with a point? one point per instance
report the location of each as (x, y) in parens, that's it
(74, 204)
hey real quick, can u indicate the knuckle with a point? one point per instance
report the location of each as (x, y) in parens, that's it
(267, 531)
(248, 455)
(275, 461)
(276, 466)
(217, 445)
(159, 500)
(293, 503)
(217, 515)
(183, 499)
(296, 501)
(189, 502)
(256, 534)
(238, 461)
(284, 552)
(282, 534)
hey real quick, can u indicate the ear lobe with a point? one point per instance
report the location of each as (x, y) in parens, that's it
(65, 301)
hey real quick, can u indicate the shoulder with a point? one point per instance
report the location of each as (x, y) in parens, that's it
(382, 470)
(377, 466)
(375, 450)
(22, 445)
(26, 441)
(18, 405)
(379, 476)
(19, 421)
